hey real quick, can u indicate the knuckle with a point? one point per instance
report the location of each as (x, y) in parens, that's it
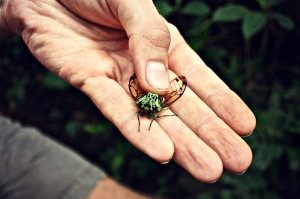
(172, 27)
(210, 117)
(158, 37)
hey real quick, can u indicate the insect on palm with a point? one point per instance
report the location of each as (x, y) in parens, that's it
(151, 103)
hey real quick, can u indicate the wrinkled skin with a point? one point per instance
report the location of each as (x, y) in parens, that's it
(97, 45)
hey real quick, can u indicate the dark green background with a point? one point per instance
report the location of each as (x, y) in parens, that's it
(253, 47)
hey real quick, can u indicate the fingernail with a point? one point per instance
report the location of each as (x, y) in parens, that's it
(213, 181)
(241, 173)
(166, 162)
(244, 136)
(157, 76)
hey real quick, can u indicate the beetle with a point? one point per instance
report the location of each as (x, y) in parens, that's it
(151, 103)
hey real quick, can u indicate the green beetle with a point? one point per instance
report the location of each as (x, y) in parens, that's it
(151, 103)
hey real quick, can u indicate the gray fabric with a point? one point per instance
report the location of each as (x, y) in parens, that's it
(33, 166)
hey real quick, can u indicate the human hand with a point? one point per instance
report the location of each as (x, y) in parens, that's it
(97, 45)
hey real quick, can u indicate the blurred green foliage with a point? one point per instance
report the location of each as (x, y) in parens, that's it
(252, 45)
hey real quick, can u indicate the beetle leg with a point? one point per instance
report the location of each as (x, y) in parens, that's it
(138, 117)
(158, 116)
(151, 123)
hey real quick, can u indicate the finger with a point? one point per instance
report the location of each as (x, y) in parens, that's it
(191, 153)
(149, 41)
(235, 154)
(117, 106)
(210, 88)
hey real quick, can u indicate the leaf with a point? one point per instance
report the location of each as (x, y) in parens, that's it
(263, 159)
(275, 100)
(293, 155)
(54, 82)
(270, 195)
(18, 90)
(284, 21)
(196, 8)
(178, 2)
(117, 162)
(245, 182)
(196, 43)
(268, 3)
(164, 8)
(253, 23)
(215, 55)
(95, 129)
(230, 13)
(72, 128)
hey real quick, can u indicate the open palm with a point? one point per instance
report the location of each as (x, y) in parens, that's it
(97, 45)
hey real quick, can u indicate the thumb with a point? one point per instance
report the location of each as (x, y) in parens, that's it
(149, 41)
